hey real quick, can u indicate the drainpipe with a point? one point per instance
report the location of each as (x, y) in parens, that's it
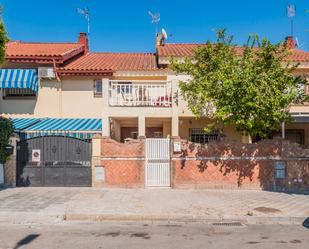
(60, 88)
(283, 130)
(55, 70)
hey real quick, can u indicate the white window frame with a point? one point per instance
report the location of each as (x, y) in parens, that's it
(97, 93)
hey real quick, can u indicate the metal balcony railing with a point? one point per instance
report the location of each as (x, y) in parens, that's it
(140, 93)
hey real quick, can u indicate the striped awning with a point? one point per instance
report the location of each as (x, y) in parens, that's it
(67, 124)
(23, 123)
(19, 78)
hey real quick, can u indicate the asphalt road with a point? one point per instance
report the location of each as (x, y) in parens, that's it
(147, 235)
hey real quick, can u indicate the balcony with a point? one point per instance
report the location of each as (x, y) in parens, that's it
(140, 93)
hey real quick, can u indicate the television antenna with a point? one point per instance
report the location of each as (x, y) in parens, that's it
(86, 13)
(155, 19)
(298, 44)
(291, 13)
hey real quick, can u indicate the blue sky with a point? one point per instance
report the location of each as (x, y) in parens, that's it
(125, 26)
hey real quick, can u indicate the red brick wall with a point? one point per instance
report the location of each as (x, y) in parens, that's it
(208, 166)
(222, 164)
(123, 163)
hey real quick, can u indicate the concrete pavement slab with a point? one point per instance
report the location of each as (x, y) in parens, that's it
(56, 204)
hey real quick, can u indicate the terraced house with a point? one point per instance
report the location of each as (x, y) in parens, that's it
(61, 96)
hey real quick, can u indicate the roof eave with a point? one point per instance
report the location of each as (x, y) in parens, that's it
(63, 72)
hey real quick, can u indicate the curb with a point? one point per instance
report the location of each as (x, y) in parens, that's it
(52, 218)
(187, 218)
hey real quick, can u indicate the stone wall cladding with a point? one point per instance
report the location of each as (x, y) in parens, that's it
(123, 163)
(232, 165)
(10, 172)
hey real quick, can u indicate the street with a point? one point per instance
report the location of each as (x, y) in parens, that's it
(116, 235)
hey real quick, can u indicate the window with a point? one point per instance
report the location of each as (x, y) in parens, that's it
(198, 135)
(18, 93)
(293, 135)
(98, 88)
(280, 169)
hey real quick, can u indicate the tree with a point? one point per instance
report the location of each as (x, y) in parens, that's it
(251, 87)
(6, 131)
(6, 127)
(3, 38)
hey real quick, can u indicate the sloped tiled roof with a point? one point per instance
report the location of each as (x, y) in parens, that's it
(16, 51)
(177, 49)
(299, 56)
(111, 62)
(186, 50)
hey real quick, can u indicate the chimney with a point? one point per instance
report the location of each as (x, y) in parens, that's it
(82, 39)
(289, 41)
(160, 40)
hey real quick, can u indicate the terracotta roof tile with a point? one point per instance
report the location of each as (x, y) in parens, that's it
(18, 48)
(112, 62)
(186, 50)
(299, 56)
(177, 50)
(29, 50)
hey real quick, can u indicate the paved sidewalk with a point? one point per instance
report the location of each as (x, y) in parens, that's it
(24, 205)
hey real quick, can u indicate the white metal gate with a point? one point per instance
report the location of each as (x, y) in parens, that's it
(157, 170)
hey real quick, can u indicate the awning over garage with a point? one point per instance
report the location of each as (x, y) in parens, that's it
(83, 128)
(19, 79)
(23, 123)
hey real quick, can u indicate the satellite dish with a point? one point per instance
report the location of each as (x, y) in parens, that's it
(164, 34)
(296, 42)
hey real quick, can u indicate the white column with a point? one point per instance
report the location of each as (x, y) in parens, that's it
(105, 126)
(175, 126)
(141, 126)
(105, 108)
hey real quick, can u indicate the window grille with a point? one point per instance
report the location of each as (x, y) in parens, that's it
(280, 170)
(198, 135)
(18, 92)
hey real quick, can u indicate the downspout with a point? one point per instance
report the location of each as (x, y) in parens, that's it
(60, 87)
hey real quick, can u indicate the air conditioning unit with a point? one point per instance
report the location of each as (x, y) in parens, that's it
(46, 72)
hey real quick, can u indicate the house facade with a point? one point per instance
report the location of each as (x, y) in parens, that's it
(135, 94)
(65, 89)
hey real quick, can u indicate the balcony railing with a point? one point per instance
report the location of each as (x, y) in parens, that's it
(140, 93)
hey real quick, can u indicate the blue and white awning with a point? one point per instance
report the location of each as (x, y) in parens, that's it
(83, 128)
(19, 78)
(67, 124)
(23, 123)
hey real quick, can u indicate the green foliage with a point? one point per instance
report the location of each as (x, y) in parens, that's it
(251, 87)
(6, 131)
(3, 39)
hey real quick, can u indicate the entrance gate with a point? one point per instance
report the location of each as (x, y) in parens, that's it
(157, 170)
(53, 161)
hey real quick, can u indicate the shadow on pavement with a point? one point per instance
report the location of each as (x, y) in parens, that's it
(25, 241)
(306, 223)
